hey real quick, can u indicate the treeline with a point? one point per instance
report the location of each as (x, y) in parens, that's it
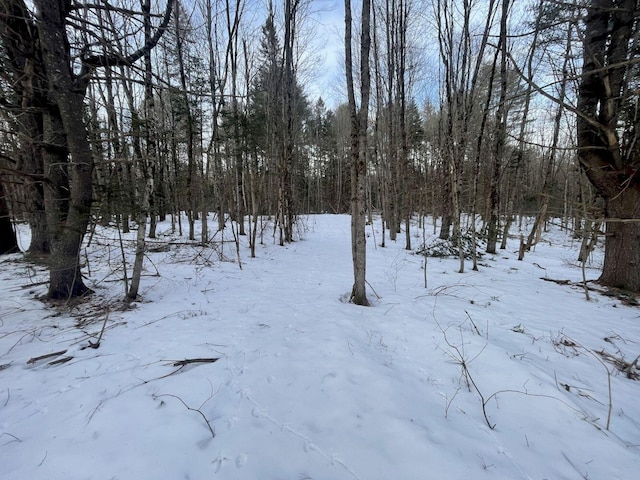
(145, 110)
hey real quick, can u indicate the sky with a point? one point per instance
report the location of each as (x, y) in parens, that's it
(327, 42)
(327, 79)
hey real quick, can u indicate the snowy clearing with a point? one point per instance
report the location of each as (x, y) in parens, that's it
(490, 374)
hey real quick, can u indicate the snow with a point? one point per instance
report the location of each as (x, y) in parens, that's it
(308, 386)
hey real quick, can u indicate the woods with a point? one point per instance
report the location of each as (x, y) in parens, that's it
(480, 113)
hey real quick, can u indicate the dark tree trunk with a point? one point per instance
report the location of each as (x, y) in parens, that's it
(19, 40)
(622, 241)
(8, 242)
(500, 136)
(32, 164)
(286, 167)
(189, 127)
(606, 99)
(447, 219)
(34, 197)
(67, 94)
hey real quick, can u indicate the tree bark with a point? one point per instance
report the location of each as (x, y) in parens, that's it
(609, 159)
(8, 242)
(146, 164)
(622, 241)
(27, 79)
(500, 136)
(68, 154)
(359, 121)
(192, 195)
(286, 167)
(67, 93)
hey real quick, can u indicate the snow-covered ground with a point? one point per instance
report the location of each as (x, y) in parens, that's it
(489, 374)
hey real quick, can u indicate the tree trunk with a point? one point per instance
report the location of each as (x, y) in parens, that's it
(145, 188)
(189, 125)
(622, 241)
(25, 77)
(34, 190)
(286, 167)
(238, 155)
(500, 136)
(606, 107)
(67, 94)
(8, 242)
(65, 141)
(359, 122)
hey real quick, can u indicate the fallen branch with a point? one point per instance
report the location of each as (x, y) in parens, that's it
(628, 298)
(60, 361)
(630, 369)
(473, 323)
(15, 439)
(559, 282)
(187, 361)
(30, 285)
(597, 355)
(33, 360)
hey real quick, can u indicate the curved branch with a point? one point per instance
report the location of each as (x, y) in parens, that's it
(556, 100)
(89, 63)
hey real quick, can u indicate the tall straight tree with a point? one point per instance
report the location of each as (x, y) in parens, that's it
(359, 123)
(500, 133)
(218, 53)
(147, 163)
(557, 124)
(285, 196)
(238, 156)
(276, 111)
(181, 27)
(608, 127)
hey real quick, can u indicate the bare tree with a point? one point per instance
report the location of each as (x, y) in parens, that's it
(359, 124)
(68, 211)
(147, 163)
(285, 192)
(462, 63)
(500, 134)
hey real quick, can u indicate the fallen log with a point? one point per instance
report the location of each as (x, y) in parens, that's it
(187, 361)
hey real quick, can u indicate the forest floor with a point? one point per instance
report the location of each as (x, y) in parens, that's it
(489, 374)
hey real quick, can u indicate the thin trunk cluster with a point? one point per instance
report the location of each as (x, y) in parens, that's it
(130, 118)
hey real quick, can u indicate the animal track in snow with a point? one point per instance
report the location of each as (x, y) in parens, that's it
(241, 460)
